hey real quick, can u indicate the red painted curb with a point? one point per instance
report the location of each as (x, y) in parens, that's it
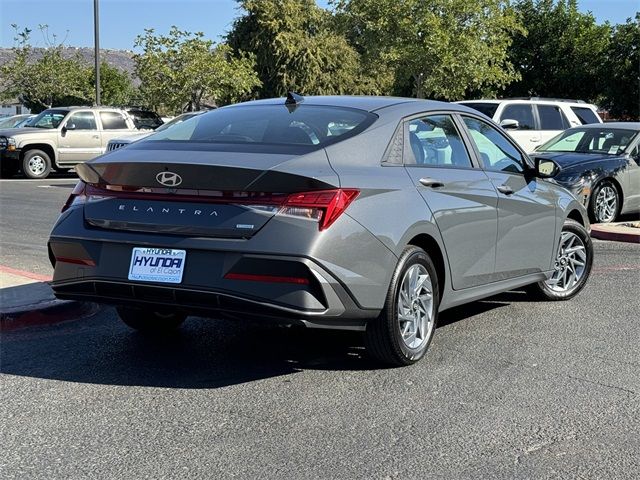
(47, 314)
(603, 234)
(23, 273)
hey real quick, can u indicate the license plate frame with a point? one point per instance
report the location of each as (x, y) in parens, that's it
(157, 265)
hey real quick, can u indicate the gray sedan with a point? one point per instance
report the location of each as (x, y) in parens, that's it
(361, 213)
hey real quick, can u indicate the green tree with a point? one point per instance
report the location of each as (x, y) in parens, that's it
(562, 53)
(50, 80)
(183, 69)
(438, 48)
(621, 71)
(297, 47)
(116, 86)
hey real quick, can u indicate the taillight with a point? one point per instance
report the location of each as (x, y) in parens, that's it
(324, 205)
(77, 197)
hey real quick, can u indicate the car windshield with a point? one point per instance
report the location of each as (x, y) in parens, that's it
(310, 126)
(48, 119)
(608, 141)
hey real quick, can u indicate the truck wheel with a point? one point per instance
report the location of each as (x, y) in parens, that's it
(36, 164)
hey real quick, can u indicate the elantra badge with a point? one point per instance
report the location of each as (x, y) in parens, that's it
(169, 179)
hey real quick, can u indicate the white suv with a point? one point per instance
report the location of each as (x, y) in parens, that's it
(533, 121)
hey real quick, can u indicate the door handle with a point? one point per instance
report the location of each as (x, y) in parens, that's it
(506, 189)
(96, 136)
(430, 182)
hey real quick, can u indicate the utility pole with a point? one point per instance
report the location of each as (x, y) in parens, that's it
(96, 47)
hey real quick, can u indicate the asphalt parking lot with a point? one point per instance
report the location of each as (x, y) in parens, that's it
(509, 389)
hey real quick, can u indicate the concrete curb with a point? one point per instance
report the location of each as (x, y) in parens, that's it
(615, 233)
(47, 313)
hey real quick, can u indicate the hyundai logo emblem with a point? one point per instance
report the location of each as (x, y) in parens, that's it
(169, 179)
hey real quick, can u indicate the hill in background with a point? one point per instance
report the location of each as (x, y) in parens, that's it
(122, 59)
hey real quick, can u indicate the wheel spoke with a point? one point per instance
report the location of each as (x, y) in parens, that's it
(414, 305)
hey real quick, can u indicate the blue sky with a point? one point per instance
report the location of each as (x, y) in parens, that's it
(122, 20)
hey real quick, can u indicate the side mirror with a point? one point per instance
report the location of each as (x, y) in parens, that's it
(546, 168)
(70, 126)
(510, 124)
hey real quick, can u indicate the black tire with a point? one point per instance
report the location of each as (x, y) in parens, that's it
(36, 164)
(543, 291)
(384, 341)
(594, 213)
(149, 321)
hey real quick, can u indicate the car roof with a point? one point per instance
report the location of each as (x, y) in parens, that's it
(406, 106)
(362, 102)
(625, 125)
(554, 101)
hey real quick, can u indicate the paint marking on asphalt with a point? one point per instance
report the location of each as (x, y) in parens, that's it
(23, 273)
(36, 180)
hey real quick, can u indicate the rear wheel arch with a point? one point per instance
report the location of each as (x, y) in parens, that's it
(431, 246)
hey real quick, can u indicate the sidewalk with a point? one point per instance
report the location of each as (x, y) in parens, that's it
(26, 299)
(617, 232)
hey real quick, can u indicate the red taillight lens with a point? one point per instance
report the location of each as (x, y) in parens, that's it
(324, 205)
(77, 197)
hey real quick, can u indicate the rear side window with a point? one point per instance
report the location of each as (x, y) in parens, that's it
(434, 141)
(489, 109)
(308, 126)
(585, 115)
(552, 118)
(113, 121)
(523, 113)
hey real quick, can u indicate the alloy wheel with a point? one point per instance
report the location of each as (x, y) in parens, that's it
(606, 204)
(37, 165)
(570, 264)
(415, 307)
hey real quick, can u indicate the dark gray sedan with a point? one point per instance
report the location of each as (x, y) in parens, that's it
(600, 164)
(362, 213)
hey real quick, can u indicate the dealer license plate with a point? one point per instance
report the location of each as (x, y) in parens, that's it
(163, 265)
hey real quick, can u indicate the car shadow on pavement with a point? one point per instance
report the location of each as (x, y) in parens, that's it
(203, 354)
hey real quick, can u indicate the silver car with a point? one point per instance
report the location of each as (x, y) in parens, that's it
(362, 213)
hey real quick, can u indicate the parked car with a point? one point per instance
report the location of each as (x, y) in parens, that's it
(13, 121)
(532, 121)
(60, 138)
(25, 121)
(363, 213)
(600, 164)
(120, 142)
(144, 119)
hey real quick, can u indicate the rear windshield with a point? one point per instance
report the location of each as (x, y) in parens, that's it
(586, 115)
(307, 126)
(489, 109)
(145, 120)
